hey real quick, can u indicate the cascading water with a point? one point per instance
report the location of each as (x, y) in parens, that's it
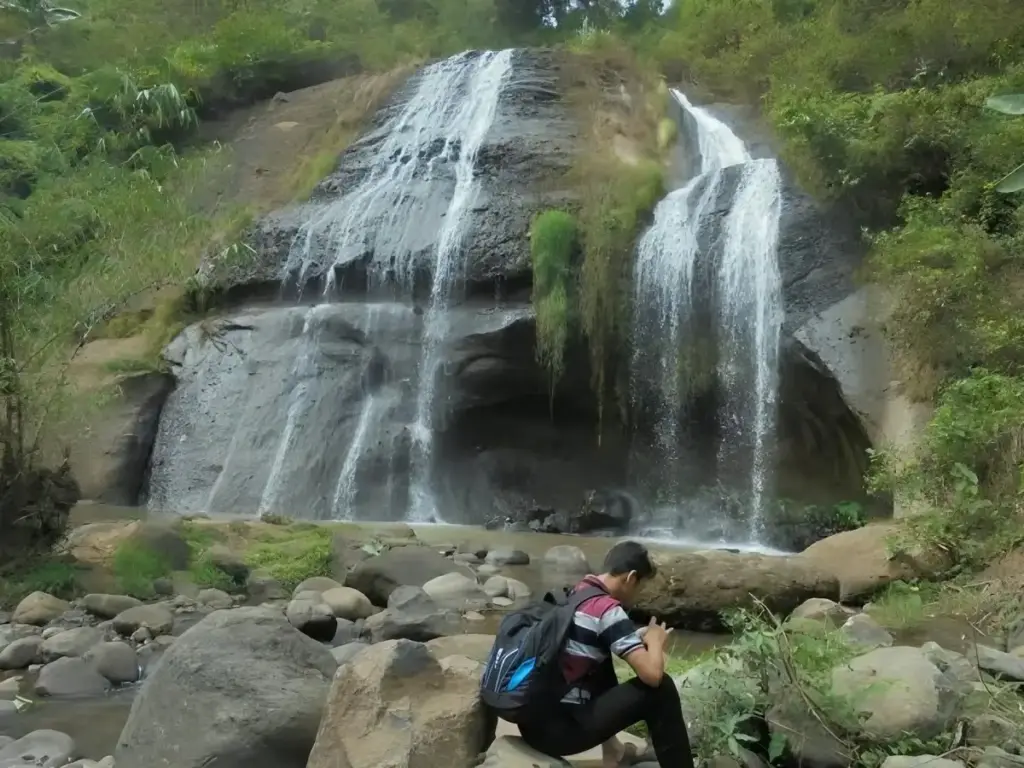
(446, 119)
(745, 287)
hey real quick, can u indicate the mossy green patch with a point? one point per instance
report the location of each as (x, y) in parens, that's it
(291, 554)
(136, 566)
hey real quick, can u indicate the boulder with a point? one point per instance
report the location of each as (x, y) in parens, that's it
(39, 749)
(475, 647)
(513, 752)
(348, 603)
(10, 688)
(312, 616)
(395, 705)
(157, 618)
(952, 663)
(807, 739)
(920, 761)
(414, 566)
(503, 556)
(108, 606)
(456, 590)
(900, 692)
(826, 611)
(347, 632)
(865, 633)
(70, 642)
(517, 590)
(70, 676)
(117, 661)
(408, 599)
(39, 608)
(496, 586)
(994, 757)
(262, 587)
(240, 689)
(692, 589)
(21, 653)
(165, 539)
(862, 562)
(1003, 665)
(346, 653)
(566, 557)
(228, 562)
(990, 731)
(391, 624)
(316, 584)
(214, 599)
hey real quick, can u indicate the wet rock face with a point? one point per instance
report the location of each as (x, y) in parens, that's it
(526, 150)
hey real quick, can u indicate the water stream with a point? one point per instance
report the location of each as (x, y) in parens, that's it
(690, 295)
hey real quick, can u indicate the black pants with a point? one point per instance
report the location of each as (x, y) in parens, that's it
(566, 729)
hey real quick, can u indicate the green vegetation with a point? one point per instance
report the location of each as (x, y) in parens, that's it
(293, 554)
(553, 242)
(136, 566)
(54, 575)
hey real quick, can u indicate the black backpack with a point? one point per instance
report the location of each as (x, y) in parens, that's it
(523, 665)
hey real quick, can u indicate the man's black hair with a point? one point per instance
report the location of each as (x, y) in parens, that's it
(629, 556)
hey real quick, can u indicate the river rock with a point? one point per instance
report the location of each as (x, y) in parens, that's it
(1003, 665)
(568, 558)
(496, 586)
(116, 661)
(70, 642)
(475, 647)
(157, 618)
(862, 562)
(10, 688)
(5, 618)
(39, 608)
(455, 590)
(411, 600)
(517, 590)
(864, 632)
(952, 663)
(240, 689)
(262, 587)
(395, 705)
(921, 761)
(228, 562)
(108, 606)
(391, 624)
(513, 752)
(348, 603)
(414, 566)
(821, 609)
(692, 589)
(346, 653)
(70, 676)
(319, 584)
(21, 653)
(312, 616)
(214, 599)
(990, 731)
(900, 692)
(503, 556)
(39, 749)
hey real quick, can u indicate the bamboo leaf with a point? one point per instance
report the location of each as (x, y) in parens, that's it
(1008, 104)
(1012, 182)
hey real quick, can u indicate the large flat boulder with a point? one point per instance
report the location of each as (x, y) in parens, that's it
(394, 705)
(240, 689)
(866, 559)
(692, 589)
(379, 576)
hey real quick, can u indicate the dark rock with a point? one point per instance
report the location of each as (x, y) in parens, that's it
(411, 600)
(390, 624)
(116, 661)
(71, 642)
(240, 689)
(108, 606)
(310, 615)
(379, 576)
(157, 618)
(70, 677)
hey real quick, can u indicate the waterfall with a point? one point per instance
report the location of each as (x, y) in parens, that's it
(443, 124)
(745, 287)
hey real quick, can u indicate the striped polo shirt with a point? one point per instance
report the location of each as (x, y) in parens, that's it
(599, 629)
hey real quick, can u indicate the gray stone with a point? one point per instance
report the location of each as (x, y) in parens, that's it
(823, 610)
(502, 602)
(70, 676)
(513, 752)
(255, 688)
(990, 731)
(215, 599)
(566, 557)
(993, 757)
(921, 761)
(346, 632)
(108, 606)
(413, 566)
(496, 586)
(466, 558)
(262, 587)
(21, 653)
(455, 590)
(475, 647)
(517, 590)
(348, 603)
(955, 664)
(411, 600)
(864, 632)
(228, 562)
(40, 749)
(5, 618)
(70, 642)
(1003, 665)
(312, 616)
(390, 624)
(157, 618)
(900, 692)
(485, 571)
(39, 608)
(503, 556)
(315, 584)
(9, 688)
(346, 653)
(117, 661)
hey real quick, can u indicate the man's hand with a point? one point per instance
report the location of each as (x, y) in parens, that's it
(655, 634)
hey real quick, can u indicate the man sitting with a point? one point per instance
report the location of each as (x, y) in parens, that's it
(597, 707)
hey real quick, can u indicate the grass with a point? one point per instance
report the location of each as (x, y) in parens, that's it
(983, 603)
(135, 567)
(54, 575)
(291, 554)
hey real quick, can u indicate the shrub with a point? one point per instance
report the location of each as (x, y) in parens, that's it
(135, 567)
(553, 242)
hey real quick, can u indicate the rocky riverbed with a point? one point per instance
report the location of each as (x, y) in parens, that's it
(377, 664)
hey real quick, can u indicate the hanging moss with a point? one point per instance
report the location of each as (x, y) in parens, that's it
(553, 242)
